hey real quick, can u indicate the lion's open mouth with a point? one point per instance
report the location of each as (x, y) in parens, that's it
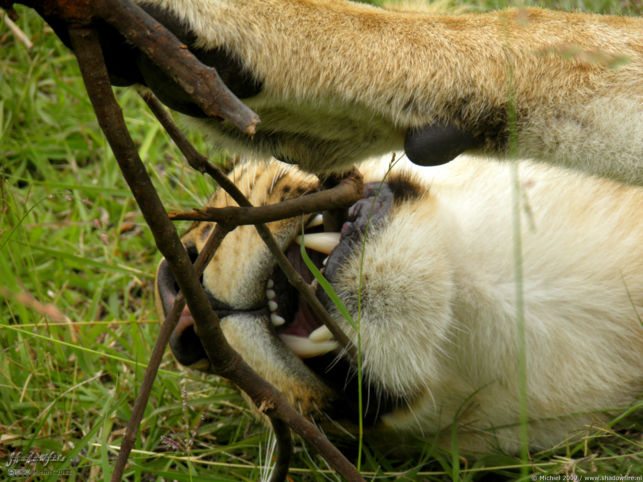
(292, 325)
(292, 319)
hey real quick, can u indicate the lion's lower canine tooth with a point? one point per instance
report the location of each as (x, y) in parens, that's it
(316, 220)
(320, 334)
(322, 242)
(272, 305)
(304, 348)
(277, 320)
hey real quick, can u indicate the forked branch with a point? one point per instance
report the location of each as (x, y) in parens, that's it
(208, 91)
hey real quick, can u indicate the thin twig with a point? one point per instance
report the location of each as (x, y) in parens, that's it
(201, 164)
(225, 360)
(195, 159)
(171, 319)
(306, 292)
(342, 195)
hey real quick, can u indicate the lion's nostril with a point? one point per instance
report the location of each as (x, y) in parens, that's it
(186, 346)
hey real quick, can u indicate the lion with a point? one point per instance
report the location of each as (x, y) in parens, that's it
(335, 82)
(425, 264)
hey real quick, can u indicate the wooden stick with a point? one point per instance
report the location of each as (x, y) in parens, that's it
(344, 194)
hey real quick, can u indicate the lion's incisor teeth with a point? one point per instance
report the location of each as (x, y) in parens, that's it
(320, 334)
(304, 348)
(322, 242)
(277, 320)
(272, 305)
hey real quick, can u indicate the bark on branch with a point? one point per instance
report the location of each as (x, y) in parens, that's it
(200, 82)
(347, 192)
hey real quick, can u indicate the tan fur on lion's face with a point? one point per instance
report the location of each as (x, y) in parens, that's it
(236, 277)
(437, 298)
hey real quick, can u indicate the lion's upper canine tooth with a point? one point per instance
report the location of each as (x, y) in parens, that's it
(322, 242)
(304, 348)
(277, 320)
(316, 220)
(320, 334)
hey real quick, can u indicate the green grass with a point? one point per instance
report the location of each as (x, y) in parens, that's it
(74, 251)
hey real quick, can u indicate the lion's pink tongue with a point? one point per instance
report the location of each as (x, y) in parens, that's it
(298, 335)
(185, 321)
(304, 322)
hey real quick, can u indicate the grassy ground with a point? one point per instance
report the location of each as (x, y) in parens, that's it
(76, 314)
